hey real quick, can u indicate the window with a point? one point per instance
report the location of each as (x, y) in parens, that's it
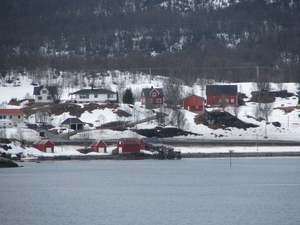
(0, 117)
(95, 95)
(84, 96)
(110, 96)
(220, 100)
(10, 117)
(19, 117)
(232, 100)
(158, 101)
(227, 100)
(40, 98)
(197, 106)
(44, 91)
(154, 94)
(49, 97)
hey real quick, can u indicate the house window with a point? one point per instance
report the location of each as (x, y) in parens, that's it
(110, 96)
(0, 117)
(158, 101)
(154, 94)
(40, 98)
(84, 96)
(19, 117)
(220, 100)
(95, 95)
(44, 91)
(49, 97)
(4, 117)
(227, 100)
(197, 106)
(232, 100)
(10, 117)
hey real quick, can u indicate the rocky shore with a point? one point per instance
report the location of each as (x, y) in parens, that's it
(6, 163)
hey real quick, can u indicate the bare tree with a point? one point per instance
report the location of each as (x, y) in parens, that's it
(3, 132)
(42, 117)
(234, 110)
(19, 135)
(173, 92)
(266, 110)
(178, 119)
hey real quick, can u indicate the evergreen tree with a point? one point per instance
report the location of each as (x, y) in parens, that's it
(128, 97)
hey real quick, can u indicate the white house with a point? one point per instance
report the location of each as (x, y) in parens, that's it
(11, 117)
(94, 96)
(45, 94)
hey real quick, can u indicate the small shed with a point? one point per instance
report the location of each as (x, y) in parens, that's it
(194, 103)
(73, 123)
(99, 146)
(128, 145)
(152, 144)
(44, 146)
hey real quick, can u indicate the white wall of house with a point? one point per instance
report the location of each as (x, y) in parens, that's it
(97, 98)
(6, 123)
(13, 118)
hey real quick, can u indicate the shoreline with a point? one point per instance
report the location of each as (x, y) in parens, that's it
(156, 157)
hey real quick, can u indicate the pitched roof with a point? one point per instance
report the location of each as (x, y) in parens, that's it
(72, 120)
(42, 142)
(11, 112)
(147, 91)
(221, 89)
(51, 89)
(129, 141)
(95, 143)
(195, 96)
(93, 91)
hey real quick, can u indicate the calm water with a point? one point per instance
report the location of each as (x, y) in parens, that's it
(187, 191)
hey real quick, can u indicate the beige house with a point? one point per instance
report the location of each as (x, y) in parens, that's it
(11, 117)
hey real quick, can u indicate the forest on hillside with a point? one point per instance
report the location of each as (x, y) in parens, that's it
(234, 41)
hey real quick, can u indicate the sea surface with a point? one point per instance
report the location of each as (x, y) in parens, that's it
(187, 191)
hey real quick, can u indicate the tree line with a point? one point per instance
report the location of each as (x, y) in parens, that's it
(189, 43)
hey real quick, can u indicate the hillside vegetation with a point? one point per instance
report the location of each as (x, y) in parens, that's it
(221, 40)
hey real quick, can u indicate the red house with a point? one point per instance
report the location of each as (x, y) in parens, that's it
(44, 146)
(194, 103)
(99, 146)
(220, 95)
(152, 97)
(128, 145)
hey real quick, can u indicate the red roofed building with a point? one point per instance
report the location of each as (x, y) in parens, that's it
(128, 145)
(194, 103)
(14, 115)
(44, 146)
(99, 146)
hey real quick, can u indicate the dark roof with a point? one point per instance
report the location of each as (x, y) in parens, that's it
(72, 121)
(221, 89)
(51, 89)
(93, 91)
(153, 140)
(129, 141)
(147, 91)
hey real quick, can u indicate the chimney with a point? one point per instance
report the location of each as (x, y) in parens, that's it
(151, 87)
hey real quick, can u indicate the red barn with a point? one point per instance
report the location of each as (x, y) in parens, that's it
(44, 146)
(194, 103)
(152, 97)
(99, 146)
(221, 95)
(128, 145)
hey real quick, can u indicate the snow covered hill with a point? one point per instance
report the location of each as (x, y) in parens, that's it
(289, 130)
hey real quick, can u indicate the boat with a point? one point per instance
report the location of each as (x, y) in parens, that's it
(29, 158)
